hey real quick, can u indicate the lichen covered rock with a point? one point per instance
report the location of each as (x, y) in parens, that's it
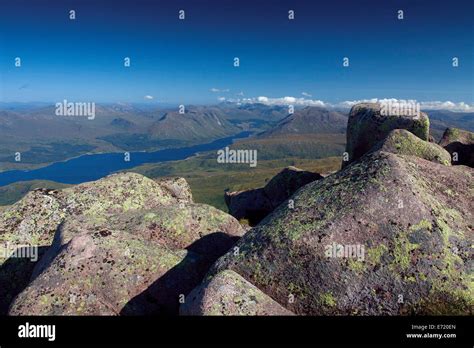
(229, 294)
(111, 272)
(403, 142)
(178, 187)
(368, 125)
(158, 218)
(116, 194)
(31, 222)
(388, 235)
(197, 227)
(34, 218)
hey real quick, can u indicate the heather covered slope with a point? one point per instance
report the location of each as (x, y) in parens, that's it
(414, 219)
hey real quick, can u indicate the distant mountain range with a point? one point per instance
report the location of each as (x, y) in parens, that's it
(255, 111)
(198, 123)
(43, 137)
(310, 120)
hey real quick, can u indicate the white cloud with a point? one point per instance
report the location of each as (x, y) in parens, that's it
(424, 105)
(217, 90)
(350, 103)
(284, 101)
(447, 105)
(148, 97)
(240, 94)
(306, 94)
(221, 99)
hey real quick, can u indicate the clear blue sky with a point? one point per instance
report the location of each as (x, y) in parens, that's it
(180, 61)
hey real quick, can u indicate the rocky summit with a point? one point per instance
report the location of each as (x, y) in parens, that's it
(124, 244)
(412, 217)
(390, 234)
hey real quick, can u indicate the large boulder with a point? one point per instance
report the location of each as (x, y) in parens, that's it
(119, 193)
(111, 272)
(254, 205)
(403, 142)
(197, 227)
(94, 224)
(460, 144)
(388, 235)
(370, 123)
(229, 294)
(34, 218)
(32, 221)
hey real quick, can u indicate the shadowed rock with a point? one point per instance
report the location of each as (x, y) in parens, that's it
(368, 124)
(460, 144)
(255, 204)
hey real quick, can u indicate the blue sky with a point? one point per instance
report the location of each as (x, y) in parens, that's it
(181, 61)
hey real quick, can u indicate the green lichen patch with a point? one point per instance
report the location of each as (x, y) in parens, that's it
(403, 142)
(327, 299)
(227, 293)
